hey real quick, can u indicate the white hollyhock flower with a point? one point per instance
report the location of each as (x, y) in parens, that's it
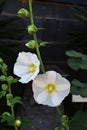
(26, 66)
(50, 88)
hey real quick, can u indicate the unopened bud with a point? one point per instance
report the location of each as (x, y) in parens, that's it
(18, 123)
(32, 29)
(65, 118)
(23, 13)
(31, 44)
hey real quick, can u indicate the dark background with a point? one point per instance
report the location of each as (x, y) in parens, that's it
(57, 17)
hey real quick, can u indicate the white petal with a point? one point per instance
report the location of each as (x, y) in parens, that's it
(62, 84)
(40, 80)
(49, 102)
(24, 58)
(36, 90)
(55, 99)
(26, 78)
(41, 98)
(51, 76)
(58, 97)
(35, 73)
(20, 70)
(35, 60)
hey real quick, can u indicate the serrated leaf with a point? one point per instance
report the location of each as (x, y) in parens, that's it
(79, 121)
(2, 93)
(79, 88)
(6, 116)
(16, 99)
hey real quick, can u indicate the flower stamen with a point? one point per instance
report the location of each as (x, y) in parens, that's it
(50, 87)
(32, 68)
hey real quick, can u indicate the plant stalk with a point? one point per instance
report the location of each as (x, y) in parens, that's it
(12, 107)
(35, 37)
(64, 122)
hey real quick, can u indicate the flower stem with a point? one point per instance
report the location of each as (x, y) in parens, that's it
(63, 118)
(35, 36)
(12, 107)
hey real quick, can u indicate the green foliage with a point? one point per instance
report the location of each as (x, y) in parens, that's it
(56, 128)
(2, 94)
(16, 99)
(79, 88)
(75, 54)
(77, 60)
(11, 101)
(79, 121)
(6, 116)
(7, 93)
(79, 37)
(59, 128)
(4, 126)
(27, 122)
(81, 14)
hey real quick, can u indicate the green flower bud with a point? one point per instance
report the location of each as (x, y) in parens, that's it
(23, 13)
(4, 87)
(32, 29)
(31, 44)
(18, 123)
(65, 118)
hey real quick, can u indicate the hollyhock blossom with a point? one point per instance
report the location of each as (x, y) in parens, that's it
(50, 88)
(26, 66)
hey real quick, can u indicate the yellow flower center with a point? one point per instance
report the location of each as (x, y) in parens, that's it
(32, 68)
(50, 87)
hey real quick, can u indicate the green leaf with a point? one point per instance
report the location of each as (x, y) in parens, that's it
(77, 60)
(77, 63)
(6, 116)
(27, 122)
(2, 94)
(73, 53)
(56, 128)
(4, 87)
(16, 99)
(79, 88)
(79, 121)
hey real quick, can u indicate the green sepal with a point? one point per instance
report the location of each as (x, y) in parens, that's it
(32, 29)
(43, 44)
